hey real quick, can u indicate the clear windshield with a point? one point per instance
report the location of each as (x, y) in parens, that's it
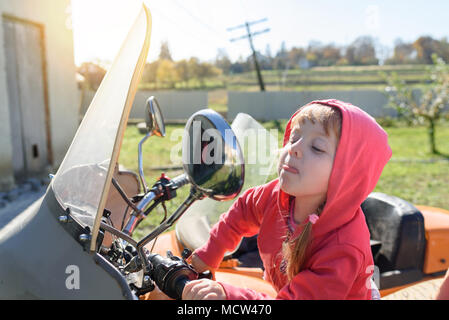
(260, 148)
(84, 175)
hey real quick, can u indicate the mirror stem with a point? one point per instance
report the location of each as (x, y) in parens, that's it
(141, 175)
(194, 195)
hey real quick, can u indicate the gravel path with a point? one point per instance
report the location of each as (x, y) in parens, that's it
(426, 290)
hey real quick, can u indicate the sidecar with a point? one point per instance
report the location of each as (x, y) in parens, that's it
(76, 241)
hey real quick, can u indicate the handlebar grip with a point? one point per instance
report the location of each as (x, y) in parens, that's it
(179, 286)
(180, 181)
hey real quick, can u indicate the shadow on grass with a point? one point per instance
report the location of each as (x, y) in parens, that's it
(442, 154)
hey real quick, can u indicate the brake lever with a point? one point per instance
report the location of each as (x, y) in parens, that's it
(186, 253)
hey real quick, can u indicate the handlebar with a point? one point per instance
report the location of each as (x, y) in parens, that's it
(180, 181)
(171, 274)
(179, 286)
(167, 187)
(135, 218)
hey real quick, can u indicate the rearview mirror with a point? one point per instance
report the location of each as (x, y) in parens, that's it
(155, 126)
(212, 158)
(153, 118)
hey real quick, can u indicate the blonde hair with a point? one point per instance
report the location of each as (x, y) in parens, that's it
(294, 250)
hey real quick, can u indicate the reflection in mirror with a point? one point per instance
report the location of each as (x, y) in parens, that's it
(212, 157)
(156, 126)
(153, 118)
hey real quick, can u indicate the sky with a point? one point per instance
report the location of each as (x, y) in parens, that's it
(198, 28)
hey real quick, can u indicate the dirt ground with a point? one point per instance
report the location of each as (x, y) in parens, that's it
(422, 291)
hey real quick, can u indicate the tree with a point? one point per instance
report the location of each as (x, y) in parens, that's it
(92, 73)
(404, 53)
(280, 61)
(295, 55)
(202, 70)
(206, 70)
(427, 108)
(166, 73)
(165, 52)
(362, 52)
(222, 61)
(150, 72)
(330, 55)
(426, 46)
(183, 71)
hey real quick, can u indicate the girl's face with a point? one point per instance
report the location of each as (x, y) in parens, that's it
(306, 161)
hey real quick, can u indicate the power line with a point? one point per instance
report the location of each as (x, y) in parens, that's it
(209, 27)
(176, 23)
(250, 36)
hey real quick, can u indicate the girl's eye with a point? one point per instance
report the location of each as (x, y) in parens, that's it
(293, 140)
(317, 149)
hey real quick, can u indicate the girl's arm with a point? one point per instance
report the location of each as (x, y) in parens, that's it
(242, 220)
(333, 275)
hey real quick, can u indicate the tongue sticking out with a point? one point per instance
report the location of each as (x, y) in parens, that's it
(289, 169)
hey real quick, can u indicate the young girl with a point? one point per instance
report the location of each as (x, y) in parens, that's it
(312, 234)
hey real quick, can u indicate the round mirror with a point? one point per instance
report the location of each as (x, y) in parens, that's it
(212, 158)
(154, 118)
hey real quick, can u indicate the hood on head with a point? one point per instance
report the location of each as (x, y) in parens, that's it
(361, 155)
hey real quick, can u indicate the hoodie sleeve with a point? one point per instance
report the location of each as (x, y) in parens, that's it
(332, 275)
(242, 220)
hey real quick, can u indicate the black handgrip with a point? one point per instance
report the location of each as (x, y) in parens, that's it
(179, 286)
(179, 181)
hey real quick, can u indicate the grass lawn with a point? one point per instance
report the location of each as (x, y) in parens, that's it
(412, 174)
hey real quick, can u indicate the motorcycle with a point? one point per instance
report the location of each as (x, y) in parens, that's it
(76, 242)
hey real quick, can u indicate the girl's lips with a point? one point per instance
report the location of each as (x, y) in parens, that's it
(289, 169)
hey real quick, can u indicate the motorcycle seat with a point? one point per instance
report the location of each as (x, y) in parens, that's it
(399, 227)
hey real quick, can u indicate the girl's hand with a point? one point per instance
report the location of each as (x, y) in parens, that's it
(198, 264)
(203, 289)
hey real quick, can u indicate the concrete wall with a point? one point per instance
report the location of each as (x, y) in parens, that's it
(282, 104)
(60, 70)
(178, 105)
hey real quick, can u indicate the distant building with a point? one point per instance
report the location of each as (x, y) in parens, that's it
(303, 63)
(38, 91)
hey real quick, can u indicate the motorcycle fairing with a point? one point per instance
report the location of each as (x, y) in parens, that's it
(83, 180)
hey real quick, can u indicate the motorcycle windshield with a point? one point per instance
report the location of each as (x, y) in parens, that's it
(260, 150)
(83, 179)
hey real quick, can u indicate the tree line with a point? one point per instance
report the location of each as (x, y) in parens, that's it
(364, 50)
(167, 73)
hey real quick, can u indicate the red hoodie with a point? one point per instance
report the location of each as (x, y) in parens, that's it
(339, 262)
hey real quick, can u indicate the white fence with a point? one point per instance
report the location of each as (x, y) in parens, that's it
(268, 105)
(271, 105)
(175, 105)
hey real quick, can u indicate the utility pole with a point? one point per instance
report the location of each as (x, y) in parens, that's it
(250, 36)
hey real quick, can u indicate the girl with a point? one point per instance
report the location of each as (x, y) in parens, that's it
(313, 238)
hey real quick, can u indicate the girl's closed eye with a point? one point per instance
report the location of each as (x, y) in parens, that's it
(294, 138)
(318, 150)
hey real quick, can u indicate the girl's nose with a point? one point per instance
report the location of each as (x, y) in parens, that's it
(295, 150)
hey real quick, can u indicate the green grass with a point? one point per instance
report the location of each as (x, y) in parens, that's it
(412, 173)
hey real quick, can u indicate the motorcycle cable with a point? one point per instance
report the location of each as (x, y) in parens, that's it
(163, 190)
(123, 195)
(165, 218)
